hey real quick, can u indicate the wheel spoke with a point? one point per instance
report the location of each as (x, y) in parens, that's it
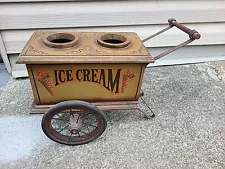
(88, 129)
(71, 112)
(89, 124)
(63, 128)
(62, 119)
(78, 118)
(70, 136)
(57, 119)
(85, 133)
(86, 115)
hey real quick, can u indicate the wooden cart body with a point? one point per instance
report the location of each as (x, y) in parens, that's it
(87, 71)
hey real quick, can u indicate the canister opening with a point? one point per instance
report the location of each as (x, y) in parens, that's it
(61, 40)
(113, 41)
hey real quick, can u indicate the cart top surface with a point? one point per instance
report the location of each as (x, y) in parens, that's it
(84, 47)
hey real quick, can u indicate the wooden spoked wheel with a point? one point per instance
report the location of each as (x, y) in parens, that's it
(73, 123)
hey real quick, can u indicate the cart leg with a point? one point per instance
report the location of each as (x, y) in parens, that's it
(149, 109)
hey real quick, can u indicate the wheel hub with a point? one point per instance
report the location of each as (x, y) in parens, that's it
(74, 131)
(75, 123)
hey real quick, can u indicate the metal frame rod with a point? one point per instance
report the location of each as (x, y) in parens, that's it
(156, 34)
(174, 49)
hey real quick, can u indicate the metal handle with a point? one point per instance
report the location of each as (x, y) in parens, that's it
(193, 34)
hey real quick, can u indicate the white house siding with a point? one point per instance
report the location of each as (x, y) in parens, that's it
(19, 19)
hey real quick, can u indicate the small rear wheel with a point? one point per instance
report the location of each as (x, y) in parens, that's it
(73, 123)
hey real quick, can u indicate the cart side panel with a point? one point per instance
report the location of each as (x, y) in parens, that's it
(33, 84)
(87, 82)
(143, 66)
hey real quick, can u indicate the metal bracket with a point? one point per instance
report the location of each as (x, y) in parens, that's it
(148, 107)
